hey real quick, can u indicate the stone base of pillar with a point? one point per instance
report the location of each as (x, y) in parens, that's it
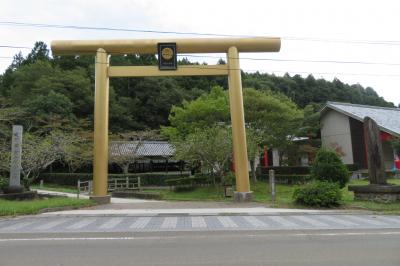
(101, 199)
(14, 189)
(379, 193)
(242, 196)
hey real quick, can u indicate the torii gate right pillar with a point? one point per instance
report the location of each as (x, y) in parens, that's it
(242, 192)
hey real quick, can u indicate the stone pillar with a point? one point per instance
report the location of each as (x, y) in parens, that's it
(16, 155)
(275, 157)
(378, 189)
(376, 164)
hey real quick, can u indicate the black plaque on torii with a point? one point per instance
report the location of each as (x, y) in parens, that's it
(167, 57)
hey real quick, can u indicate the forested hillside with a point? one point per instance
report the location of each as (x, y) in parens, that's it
(58, 92)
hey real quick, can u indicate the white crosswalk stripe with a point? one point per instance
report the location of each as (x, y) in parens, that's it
(226, 221)
(140, 223)
(169, 222)
(50, 225)
(282, 221)
(111, 223)
(337, 220)
(309, 220)
(82, 223)
(255, 222)
(391, 220)
(198, 222)
(17, 226)
(365, 220)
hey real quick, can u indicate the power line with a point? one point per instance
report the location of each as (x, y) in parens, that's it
(15, 47)
(289, 38)
(329, 73)
(297, 60)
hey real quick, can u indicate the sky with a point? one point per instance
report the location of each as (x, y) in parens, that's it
(341, 31)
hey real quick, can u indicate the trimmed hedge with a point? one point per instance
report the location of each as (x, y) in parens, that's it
(318, 194)
(287, 170)
(296, 170)
(71, 179)
(188, 181)
(287, 179)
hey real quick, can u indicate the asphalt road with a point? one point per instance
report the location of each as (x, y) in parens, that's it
(288, 247)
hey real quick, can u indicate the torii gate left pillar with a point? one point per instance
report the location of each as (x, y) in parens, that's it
(230, 46)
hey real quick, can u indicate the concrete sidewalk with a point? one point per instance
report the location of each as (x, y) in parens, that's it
(185, 212)
(140, 207)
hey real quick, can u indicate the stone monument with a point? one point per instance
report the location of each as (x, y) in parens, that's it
(378, 189)
(16, 153)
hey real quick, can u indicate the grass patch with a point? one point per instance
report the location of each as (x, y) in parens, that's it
(12, 208)
(284, 195)
(55, 187)
(210, 193)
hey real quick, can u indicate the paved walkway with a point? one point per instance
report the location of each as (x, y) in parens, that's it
(83, 196)
(159, 223)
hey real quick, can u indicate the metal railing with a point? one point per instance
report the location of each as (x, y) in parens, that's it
(127, 183)
(84, 187)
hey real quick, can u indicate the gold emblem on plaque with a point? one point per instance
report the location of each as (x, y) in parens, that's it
(167, 53)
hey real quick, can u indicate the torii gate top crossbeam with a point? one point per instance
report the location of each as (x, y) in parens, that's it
(149, 46)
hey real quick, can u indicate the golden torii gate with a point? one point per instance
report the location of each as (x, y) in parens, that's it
(104, 48)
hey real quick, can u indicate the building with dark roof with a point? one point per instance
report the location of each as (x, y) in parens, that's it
(150, 156)
(342, 130)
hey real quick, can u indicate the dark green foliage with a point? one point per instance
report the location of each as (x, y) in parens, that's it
(304, 91)
(287, 170)
(141, 103)
(52, 103)
(318, 194)
(289, 179)
(3, 183)
(189, 181)
(329, 167)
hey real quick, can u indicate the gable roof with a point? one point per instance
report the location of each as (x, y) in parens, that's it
(388, 119)
(145, 148)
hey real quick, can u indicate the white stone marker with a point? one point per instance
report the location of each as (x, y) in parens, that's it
(16, 153)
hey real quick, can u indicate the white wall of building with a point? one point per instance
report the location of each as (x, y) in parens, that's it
(335, 133)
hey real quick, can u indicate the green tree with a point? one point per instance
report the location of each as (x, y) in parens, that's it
(212, 146)
(273, 116)
(208, 110)
(37, 154)
(39, 52)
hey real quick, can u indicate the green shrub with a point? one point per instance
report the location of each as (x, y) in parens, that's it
(230, 179)
(318, 194)
(329, 167)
